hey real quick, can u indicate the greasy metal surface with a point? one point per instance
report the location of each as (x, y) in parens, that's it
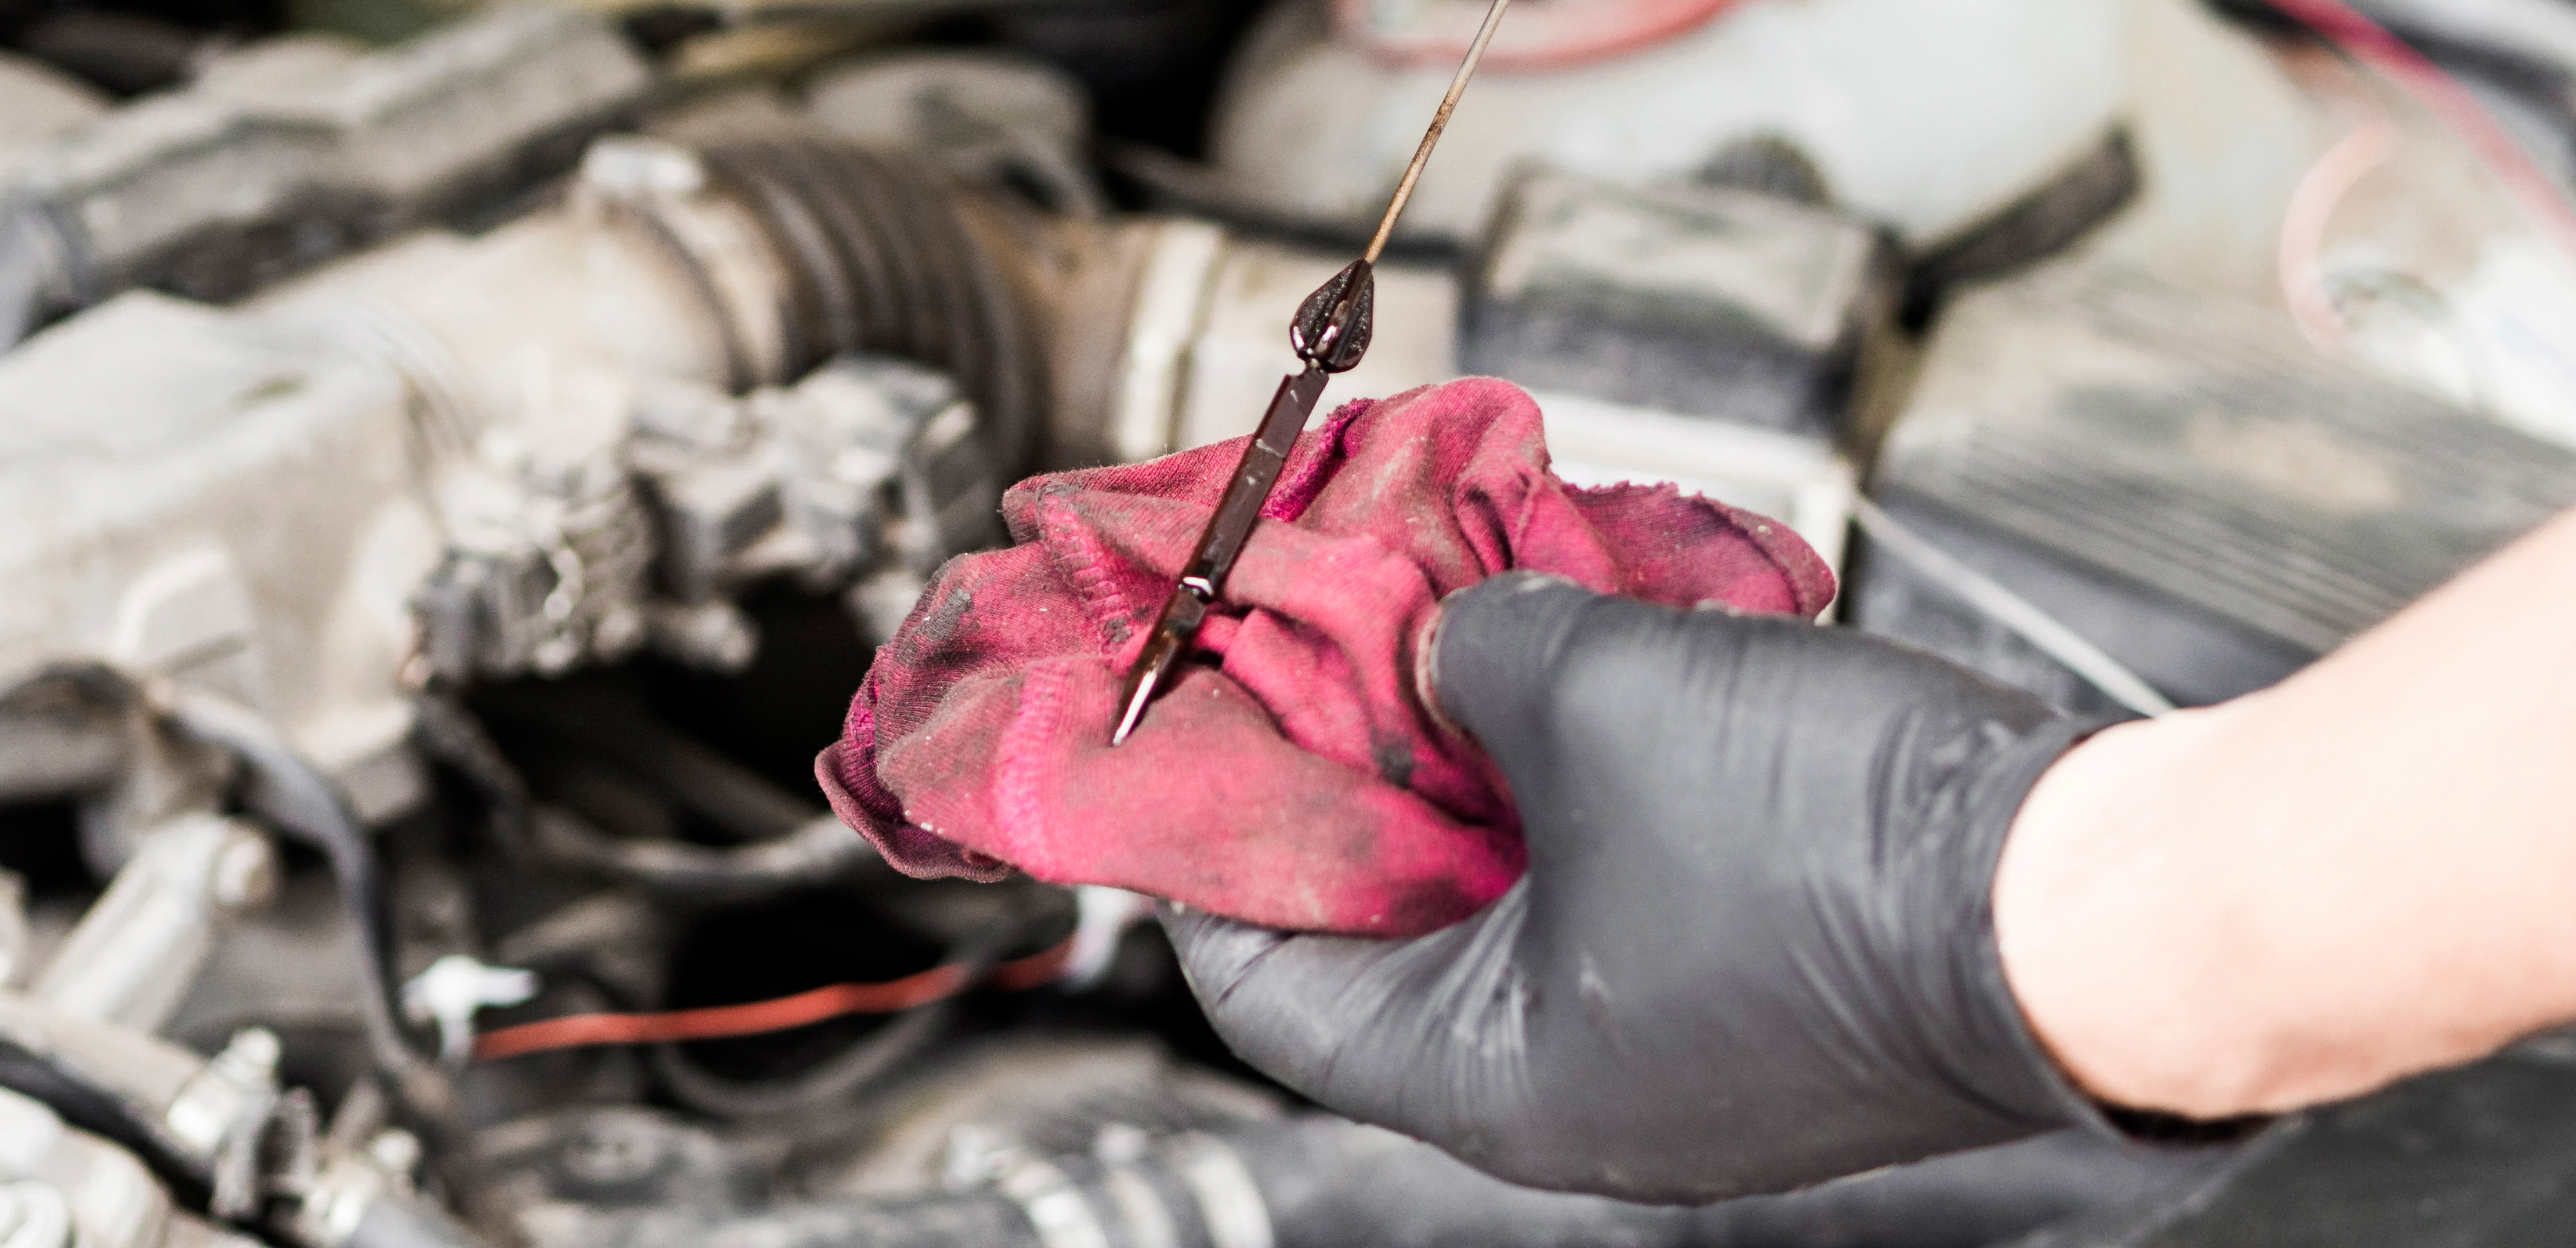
(2194, 458)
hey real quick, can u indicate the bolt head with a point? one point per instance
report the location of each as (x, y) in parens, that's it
(397, 1151)
(245, 874)
(612, 1152)
(252, 1051)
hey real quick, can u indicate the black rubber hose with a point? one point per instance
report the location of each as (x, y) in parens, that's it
(288, 792)
(820, 313)
(948, 326)
(831, 1082)
(790, 844)
(818, 852)
(862, 251)
(87, 1107)
(855, 258)
(1015, 387)
(293, 796)
(705, 782)
(912, 324)
(844, 1074)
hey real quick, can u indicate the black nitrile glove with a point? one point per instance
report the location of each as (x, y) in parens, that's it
(1754, 949)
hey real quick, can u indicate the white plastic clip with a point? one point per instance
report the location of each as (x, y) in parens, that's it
(453, 990)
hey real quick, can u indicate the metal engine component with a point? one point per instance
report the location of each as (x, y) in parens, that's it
(998, 119)
(161, 1130)
(585, 432)
(800, 250)
(468, 484)
(1698, 301)
(151, 543)
(65, 1188)
(293, 151)
(866, 461)
(135, 952)
(205, 1123)
(1202, 342)
(2183, 483)
(365, 1199)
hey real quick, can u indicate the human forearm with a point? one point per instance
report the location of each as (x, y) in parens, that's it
(2309, 892)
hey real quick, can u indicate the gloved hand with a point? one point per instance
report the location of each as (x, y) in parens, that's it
(1753, 950)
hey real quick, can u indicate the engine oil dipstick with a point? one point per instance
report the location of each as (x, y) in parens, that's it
(1330, 333)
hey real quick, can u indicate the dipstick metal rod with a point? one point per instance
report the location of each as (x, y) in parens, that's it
(1330, 333)
(1439, 123)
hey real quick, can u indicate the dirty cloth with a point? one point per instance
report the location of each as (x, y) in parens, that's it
(1291, 776)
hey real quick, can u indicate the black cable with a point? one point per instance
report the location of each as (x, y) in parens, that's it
(702, 780)
(794, 846)
(84, 1106)
(790, 844)
(287, 791)
(844, 1074)
(292, 795)
(819, 852)
(450, 734)
(833, 1080)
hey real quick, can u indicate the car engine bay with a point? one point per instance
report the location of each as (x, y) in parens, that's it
(458, 460)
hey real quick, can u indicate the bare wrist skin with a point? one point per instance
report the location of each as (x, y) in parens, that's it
(2313, 891)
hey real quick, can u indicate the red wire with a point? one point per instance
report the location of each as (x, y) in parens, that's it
(762, 1017)
(2364, 40)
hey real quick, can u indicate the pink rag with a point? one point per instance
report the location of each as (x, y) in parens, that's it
(1292, 775)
